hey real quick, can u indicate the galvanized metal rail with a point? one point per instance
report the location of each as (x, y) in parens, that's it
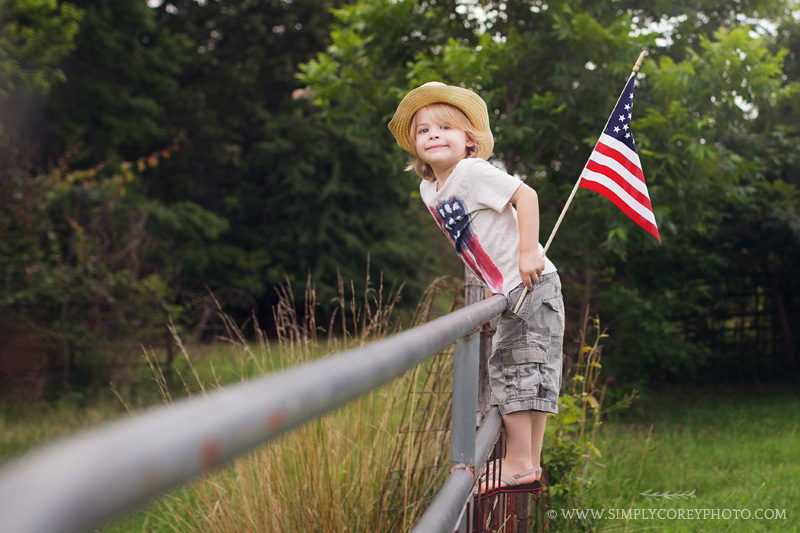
(84, 481)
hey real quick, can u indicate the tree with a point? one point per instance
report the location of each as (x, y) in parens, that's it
(85, 269)
(302, 195)
(86, 260)
(34, 38)
(120, 80)
(707, 122)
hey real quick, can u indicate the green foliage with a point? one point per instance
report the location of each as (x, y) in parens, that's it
(571, 447)
(300, 194)
(706, 140)
(35, 36)
(120, 78)
(86, 266)
(715, 122)
(286, 166)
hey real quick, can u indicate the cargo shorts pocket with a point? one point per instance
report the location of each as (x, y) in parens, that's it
(520, 369)
(553, 315)
(520, 355)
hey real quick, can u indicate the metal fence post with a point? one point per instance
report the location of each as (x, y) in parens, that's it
(475, 291)
(465, 403)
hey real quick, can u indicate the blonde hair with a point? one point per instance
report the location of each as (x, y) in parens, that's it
(453, 117)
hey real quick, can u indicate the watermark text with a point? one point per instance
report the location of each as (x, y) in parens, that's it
(667, 514)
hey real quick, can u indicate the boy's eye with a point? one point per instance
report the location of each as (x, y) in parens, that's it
(445, 127)
(423, 130)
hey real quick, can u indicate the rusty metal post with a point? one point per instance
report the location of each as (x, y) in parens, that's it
(523, 511)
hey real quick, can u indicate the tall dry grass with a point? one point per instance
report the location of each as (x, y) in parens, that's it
(368, 466)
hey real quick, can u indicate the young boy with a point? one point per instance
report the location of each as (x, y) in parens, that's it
(446, 129)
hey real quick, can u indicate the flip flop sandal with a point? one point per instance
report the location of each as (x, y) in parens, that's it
(512, 484)
(489, 474)
(483, 481)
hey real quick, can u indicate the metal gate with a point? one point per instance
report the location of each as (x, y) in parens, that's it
(84, 481)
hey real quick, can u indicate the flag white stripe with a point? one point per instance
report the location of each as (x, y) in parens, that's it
(620, 147)
(612, 186)
(613, 164)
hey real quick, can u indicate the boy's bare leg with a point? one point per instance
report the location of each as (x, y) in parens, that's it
(519, 430)
(518, 426)
(538, 424)
(524, 437)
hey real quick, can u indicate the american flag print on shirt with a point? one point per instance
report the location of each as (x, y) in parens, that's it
(456, 223)
(614, 169)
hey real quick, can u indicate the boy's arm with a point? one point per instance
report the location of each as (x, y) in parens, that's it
(531, 262)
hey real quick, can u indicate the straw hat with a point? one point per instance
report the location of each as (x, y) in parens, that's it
(435, 92)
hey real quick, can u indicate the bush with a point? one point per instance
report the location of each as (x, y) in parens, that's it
(84, 272)
(570, 450)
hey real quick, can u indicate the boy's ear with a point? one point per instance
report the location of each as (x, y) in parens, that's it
(470, 143)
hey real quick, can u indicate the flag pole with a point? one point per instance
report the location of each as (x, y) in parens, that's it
(634, 71)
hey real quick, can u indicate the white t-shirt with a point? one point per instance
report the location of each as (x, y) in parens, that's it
(473, 211)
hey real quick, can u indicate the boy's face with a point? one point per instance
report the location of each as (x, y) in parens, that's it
(439, 145)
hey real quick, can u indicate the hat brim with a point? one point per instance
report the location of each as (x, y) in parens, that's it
(467, 101)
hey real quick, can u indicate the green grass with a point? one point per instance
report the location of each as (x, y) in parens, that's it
(323, 476)
(23, 426)
(340, 472)
(732, 450)
(287, 485)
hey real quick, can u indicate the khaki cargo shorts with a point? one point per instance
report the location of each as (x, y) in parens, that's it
(526, 361)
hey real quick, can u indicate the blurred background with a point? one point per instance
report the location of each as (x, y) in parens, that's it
(161, 162)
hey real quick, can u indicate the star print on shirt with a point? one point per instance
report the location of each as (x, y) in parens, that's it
(456, 222)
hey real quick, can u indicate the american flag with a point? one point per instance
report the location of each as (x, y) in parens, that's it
(614, 169)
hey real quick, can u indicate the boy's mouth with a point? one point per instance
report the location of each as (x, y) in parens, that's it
(435, 146)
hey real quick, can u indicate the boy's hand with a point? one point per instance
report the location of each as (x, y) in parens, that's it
(531, 266)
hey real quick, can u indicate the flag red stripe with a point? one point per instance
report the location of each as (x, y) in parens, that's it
(631, 167)
(610, 173)
(620, 203)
